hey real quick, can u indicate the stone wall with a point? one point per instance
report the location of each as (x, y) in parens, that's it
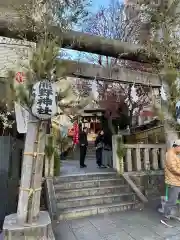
(10, 162)
(14, 55)
(151, 184)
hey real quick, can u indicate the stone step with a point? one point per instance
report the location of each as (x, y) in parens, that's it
(73, 213)
(89, 183)
(90, 158)
(91, 155)
(65, 194)
(95, 200)
(85, 177)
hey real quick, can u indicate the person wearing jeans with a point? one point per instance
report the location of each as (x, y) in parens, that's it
(172, 179)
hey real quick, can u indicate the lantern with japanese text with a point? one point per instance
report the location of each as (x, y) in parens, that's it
(44, 105)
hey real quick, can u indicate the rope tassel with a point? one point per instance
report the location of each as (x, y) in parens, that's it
(34, 154)
(30, 190)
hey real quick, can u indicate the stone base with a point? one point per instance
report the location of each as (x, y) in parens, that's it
(41, 230)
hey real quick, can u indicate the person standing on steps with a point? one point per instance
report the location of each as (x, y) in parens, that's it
(99, 148)
(83, 143)
(107, 149)
(172, 180)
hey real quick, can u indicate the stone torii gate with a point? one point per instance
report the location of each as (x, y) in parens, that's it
(116, 74)
(90, 44)
(9, 27)
(97, 45)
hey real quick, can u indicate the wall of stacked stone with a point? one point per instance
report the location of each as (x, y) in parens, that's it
(151, 184)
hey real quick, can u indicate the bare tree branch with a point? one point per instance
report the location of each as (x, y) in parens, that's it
(110, 22)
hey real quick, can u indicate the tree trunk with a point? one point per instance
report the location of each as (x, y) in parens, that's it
(26, 175)
(80, 41)
(131, 117)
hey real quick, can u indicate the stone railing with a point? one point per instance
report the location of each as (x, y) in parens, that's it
(139, 157)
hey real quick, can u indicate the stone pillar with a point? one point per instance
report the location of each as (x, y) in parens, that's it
(41, 229)
(155, 159)
(138, 159)
(114, 149)
(129, 160)
(146, 159)
(116, 160)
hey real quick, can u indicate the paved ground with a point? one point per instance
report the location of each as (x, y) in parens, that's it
(69, 167)
(131, 225)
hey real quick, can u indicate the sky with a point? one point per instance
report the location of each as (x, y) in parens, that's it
(75, 55)
(97, 3)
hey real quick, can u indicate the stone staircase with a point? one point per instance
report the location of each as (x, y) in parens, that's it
(91, 194)
(91, 151)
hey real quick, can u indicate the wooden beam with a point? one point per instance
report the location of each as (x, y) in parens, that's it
(79, 41)
(117, 74)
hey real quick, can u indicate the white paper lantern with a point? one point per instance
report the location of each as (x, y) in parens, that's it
(178, 112)
(163, 93)
(94, 89)
(44, 106)
(134, 96)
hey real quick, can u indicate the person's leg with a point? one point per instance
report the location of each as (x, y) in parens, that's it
(99, 157)
(105, 158)
(84, 155)
(170, 204)
(109, 158)
(173, 193)
(81, 156)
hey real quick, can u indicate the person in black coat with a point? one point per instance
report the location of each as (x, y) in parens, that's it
(83, 143)
(99, 147)
(107, 150)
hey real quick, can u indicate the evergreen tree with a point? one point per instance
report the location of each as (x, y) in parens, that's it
(42, 64)
(164, 22)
